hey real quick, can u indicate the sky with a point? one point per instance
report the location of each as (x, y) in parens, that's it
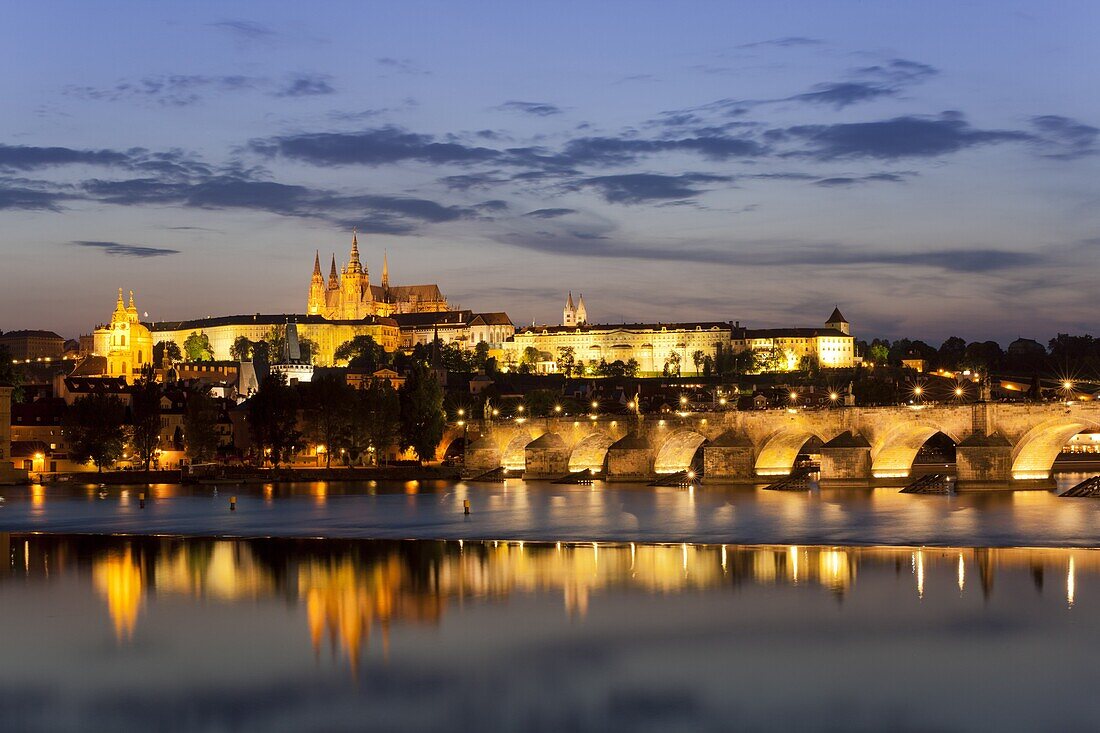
(929, 167)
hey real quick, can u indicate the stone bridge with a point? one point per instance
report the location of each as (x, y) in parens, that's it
(998, 445)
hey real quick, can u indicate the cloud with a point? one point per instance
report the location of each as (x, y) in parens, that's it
(401, 65)
(306, 85)
(244, 29)
(1065, 138)
(620, 151)
(539, 109)
(125, 250)
(785, 42)
(377, 146)
(549, 213)
(176, 90)
(845, 181)
(23, 157)
(637, 188)
(14, 197)
(842, 94)
(900, 137)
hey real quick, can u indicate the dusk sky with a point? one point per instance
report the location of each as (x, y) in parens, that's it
(929, 167)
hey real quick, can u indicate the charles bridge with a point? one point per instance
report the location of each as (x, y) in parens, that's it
(998, 445)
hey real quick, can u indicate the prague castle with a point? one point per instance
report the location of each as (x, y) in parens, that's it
(350, 296)
(347, 305)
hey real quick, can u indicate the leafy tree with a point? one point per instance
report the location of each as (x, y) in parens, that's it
(242, 349)
(200, 423)
(328, 415)
(481, 355)
(273, 417)
(377, 416)
(274, 344)
(871, 391)
(309, 349)
(983, 356)
(422, 416)
(951, 353)
(808, 363)
(531, 356)
(879, 353)
(697, 358)
(95, 426)
(363, 352)
(197, 347)
(672, 363)
(166, 348)
(567, 360)
(631, 368)
(145, 398)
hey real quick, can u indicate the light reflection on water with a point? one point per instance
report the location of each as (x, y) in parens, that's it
(111, 633)
(540, 510)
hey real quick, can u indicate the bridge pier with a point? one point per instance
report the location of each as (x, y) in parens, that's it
(730, 458)
(546, 457)
(846, 461)
(630, 459)
(984, 462)
(482, 455)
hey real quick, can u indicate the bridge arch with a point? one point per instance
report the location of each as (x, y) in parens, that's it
(1034, 454)
(678, 451)
(778, 452)
(590, 453)
(514, 455)
(894, 454)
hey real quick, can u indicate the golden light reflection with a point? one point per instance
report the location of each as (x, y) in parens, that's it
(920, 574)
(1071, 583)
(962, 573)
(38, 495)
(119, 578)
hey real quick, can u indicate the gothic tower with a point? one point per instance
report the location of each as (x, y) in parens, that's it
(582, 314)
(316, 303)
(569, 313)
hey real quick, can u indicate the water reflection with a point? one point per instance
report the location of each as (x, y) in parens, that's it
(352, 589)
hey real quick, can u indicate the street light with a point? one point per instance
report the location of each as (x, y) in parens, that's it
(557, 409)
(834, 397)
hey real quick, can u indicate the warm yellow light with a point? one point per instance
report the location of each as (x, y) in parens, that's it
(722, 401)
(794, 396)
(461, 412)
(495, 412)
(683, 400)
(1067, 384)
(958, 391)
(595, 404)
(834, 396)
(630, 404)
(918, 390)
(557, 408)
(321, 449)
(38, 456)
(519, 409)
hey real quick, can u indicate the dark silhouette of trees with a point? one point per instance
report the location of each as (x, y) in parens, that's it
(95, 427)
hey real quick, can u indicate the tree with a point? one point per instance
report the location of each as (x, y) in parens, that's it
(309, 349)
(422, 416)
(697, 358)
(200, 423)
(328, 414)
(672, 363)
(878, 353)
(197, 347)
(481, 355)
(169, 349)
(273, 344)
(377, 416)
(951, 353)
(242, 349)
(95, 426)
(363, 352)
(531, 356)
(273, 417)
(631, 369)
(567, 360)
(145, 412)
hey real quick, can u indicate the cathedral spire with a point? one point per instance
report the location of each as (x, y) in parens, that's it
(333, 281)
(317, 264)
(385, 270)
(354, 265)
(120, 306)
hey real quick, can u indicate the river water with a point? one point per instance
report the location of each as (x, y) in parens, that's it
(552, 512)
(580, 608)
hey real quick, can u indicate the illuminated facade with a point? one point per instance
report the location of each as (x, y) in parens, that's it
(125, 342)
(655, 345)
(350, 296)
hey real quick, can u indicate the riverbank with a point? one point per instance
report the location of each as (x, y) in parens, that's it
(244, 475)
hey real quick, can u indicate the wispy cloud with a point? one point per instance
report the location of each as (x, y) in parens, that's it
(305, 85)
(125, 250)
(538, 109)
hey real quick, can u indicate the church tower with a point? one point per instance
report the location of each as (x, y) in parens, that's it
(582, 314)
(316, 304)
(569, 313)
(839, 322)
(385, 271)
(354, 284)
